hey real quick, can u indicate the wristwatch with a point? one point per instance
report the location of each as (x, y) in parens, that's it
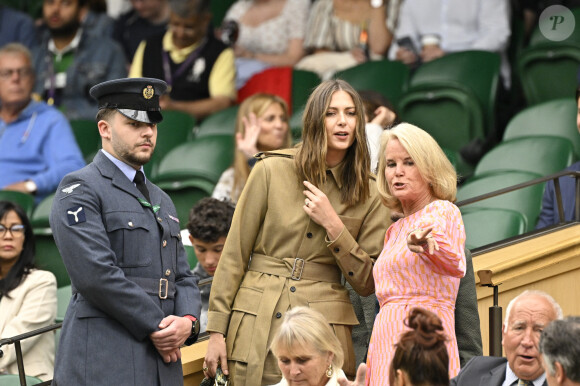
(194, 330)
(376, 3)
(30, 186)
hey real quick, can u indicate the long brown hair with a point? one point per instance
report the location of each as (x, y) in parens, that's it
(257, 104)
(310, 159)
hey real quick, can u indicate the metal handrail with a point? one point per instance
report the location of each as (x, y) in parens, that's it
(15, 340)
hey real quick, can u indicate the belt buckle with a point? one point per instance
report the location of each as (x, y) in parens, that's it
(298, 266)
(161, 282)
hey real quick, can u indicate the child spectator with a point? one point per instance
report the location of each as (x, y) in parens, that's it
(208, 226)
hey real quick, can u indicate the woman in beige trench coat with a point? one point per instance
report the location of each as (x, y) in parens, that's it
(306, 217)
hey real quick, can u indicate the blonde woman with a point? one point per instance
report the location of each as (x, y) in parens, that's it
(261, 125)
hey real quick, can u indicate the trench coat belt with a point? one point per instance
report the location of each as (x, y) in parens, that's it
(295, 268)
(281, 270)
(163, 288)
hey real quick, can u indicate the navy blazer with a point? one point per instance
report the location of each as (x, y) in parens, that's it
(549, 214)
(482, 371)
(116, 252)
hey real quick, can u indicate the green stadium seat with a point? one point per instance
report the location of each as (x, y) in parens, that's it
(24, 200)
(527, 201)
(303, 83)
(203, 158)
(175, 129)
(220, 123)
(537, 38)
(14, 380)
(540, 154)
(191, 257)
(47, 254)
(390, 78)
(185, 193)
(296, 125)
(63, 296)
(556, 118)
(548, 71)
(87, 136)
(218, 9)
(487, 226)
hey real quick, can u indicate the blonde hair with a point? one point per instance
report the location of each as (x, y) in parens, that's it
(310, 159)
(308, 329)
(430, 159)
(257, 104)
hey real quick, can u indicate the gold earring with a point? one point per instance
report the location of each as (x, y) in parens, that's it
(329, 371)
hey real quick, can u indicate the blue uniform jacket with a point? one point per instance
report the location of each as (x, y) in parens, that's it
(109, 242)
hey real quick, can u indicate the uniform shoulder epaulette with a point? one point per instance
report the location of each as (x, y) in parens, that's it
(266, 154)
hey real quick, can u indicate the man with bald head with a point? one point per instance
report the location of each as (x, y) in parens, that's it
(526, 317)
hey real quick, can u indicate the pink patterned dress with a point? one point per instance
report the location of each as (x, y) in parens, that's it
(404, 279)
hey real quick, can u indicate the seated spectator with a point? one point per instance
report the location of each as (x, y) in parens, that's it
(37, 146)
(342, 34)
(560, 348)
(271, 33)
(307, 350)
(198, 68)
(208, 226)
(428, 29)
(16, 27)
(526, 316)
(421, 356)
(27, 296)
(146, 18)
(549, 214)
(70, 60)
(380, 114)
(261, 125)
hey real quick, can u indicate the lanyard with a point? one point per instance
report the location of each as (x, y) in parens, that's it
(169, 76)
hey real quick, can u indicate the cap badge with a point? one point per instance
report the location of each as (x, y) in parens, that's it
(148, 92)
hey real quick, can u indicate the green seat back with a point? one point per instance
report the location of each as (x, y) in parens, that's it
(203, 158)
(548, 71)
(220, 123)
(14, 380)
(541, 154)
(48, 258)
(63, 296)
(296, 125)
(487, 226)
(476, 70)
(527, 201)
(191, 257)
(538, 38)
(25, 201)
(556, 118)
(87, 136)
(303, 83)
(390, 78)
(186, 193)
(41, 215)
(218, 9)
(175, 129)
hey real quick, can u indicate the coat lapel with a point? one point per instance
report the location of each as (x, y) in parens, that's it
(495, 377)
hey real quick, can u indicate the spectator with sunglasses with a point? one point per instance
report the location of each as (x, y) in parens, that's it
(27, 296)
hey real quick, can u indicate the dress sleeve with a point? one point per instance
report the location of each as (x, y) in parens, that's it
(318, 29)
(448, 231)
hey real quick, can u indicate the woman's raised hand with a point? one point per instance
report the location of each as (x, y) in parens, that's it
(248, 141)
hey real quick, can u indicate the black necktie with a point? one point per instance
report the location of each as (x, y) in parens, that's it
(139, 181)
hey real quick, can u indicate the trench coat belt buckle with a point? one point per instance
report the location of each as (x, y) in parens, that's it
(297, 269)
(163, 288)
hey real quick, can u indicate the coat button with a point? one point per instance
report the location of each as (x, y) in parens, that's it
(278, 315)
(159, 219)
(167, 272)
(336, 250)
(309, 235)
(351, 274)
(130, 223)
(164, 243)
(293, 289)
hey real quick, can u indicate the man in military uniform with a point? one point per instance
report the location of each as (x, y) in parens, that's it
(135, 301)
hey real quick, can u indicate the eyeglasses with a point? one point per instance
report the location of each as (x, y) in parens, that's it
(15, 230)
(22, 72)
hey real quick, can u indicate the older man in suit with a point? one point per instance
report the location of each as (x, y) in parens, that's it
(135, 300)
(526, 316)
